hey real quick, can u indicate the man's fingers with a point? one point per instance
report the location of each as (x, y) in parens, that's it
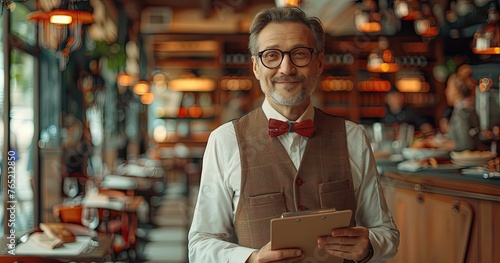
(349, 232)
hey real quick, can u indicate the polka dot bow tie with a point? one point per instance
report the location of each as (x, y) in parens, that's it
(304, 128)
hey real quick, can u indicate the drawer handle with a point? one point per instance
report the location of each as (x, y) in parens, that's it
(456, 207)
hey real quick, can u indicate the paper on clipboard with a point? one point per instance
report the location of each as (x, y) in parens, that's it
(301, 231)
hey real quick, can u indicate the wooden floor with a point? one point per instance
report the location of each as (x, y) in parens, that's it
(165, 240)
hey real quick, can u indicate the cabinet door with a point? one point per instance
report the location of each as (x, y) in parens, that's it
(434, 228)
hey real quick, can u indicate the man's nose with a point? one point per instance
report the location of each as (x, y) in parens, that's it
(287, 67)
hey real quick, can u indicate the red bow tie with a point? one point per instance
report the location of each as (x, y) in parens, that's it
(304, 128)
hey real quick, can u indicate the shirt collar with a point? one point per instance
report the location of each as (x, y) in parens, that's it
(270, 112)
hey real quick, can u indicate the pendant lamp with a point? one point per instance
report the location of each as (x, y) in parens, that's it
(487, 37)
(60, 30)
(406, 9)
(381, 59)
(426, 24)
(367, 18)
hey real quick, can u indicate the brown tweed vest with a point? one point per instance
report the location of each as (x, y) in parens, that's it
(271, 185)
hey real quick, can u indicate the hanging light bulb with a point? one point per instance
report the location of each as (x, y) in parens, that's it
(406, 9)
(487, 38)
(426, 24)
(60, 30)
(367, 18)
(141, 87)
(381, 59)
(147, 98)
(283, 3)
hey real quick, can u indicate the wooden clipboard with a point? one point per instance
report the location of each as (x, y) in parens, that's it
(300, 230)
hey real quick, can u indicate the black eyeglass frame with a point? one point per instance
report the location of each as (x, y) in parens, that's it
(283, 53)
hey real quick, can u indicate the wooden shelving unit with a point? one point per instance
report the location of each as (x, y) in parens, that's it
(368, 106)
(345, 58)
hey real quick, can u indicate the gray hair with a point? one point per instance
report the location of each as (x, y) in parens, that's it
(282, 15)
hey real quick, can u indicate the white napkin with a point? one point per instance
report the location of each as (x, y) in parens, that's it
(119, 182)
(410, 166)
(102, 201)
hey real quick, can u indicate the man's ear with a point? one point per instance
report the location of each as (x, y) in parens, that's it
(254, 68)
(319, 66)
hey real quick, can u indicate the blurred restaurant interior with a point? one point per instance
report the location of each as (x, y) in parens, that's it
(123, 96)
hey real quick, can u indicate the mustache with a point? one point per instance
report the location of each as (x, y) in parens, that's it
(288, 79)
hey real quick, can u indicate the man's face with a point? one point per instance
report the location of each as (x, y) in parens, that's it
(287, 84)
(396, 101)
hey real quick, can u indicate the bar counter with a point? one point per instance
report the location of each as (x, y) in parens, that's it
(443, 215)
(451, 179)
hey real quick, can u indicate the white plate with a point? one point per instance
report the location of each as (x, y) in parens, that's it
(468, 158)
(468, 163)
(422, 153)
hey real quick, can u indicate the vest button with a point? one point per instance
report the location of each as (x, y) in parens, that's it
(301, 208)
(300, 182)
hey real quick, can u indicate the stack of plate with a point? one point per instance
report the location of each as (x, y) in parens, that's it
(471, 158)
(422, 153)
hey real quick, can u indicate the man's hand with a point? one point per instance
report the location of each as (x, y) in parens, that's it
(350, 243)
(265, 254)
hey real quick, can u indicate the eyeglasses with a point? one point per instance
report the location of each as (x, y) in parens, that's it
(300, 57)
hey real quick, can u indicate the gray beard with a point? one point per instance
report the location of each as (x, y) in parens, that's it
(280, 100)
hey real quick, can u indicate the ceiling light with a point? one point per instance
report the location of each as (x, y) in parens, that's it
(125, 79)
(147, 98)
(60, 30)
(406, 9)
(191, 82)
(141, 87)
(381, 59)
(367, 18)
(284, 3)
(426, 24)
(487, 37)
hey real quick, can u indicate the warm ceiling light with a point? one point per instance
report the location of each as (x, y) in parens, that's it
(381, 59)
(141, 87)
(412, 84)
(61, 19)
(487, 38)
(283, 3)
(406, 9)
(147, 98)
(191, 83)
(426, 24)
(125, 79)
(367, 18)
(60, 30)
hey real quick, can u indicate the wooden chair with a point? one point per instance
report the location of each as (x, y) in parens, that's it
(117, 222)
(68, 213)
(109, 224)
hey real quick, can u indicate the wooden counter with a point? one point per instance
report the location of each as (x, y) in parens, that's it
(443, 216)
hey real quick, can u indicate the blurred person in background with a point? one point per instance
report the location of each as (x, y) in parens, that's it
(463, 131)
(397, 112)
(239, 104)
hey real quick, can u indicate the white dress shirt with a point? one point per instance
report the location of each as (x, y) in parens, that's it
(212, 237)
